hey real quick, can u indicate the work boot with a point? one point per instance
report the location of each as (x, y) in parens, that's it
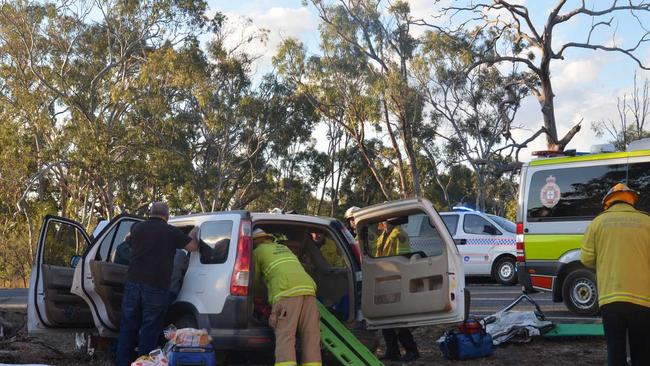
(390, 356)
(410, 356)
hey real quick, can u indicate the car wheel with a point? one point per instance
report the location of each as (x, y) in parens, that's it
(186, 321)
(505, 271)
(580, 293)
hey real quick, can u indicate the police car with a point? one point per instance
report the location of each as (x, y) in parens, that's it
(486, 242)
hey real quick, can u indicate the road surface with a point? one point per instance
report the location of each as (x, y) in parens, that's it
(487, 298)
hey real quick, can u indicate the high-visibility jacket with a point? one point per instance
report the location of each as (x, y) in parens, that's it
(617, 245)
(395, 242)
(331, 254)
(282, 272)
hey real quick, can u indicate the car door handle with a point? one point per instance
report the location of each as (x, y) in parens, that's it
(461, 241)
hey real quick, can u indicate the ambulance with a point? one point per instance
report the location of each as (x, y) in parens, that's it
(559, 195)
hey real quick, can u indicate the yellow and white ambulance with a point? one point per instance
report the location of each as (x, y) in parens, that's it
(558, 198)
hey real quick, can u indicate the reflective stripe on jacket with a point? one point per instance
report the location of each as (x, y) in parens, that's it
(617, 245)
(395, 243)
(283, 274)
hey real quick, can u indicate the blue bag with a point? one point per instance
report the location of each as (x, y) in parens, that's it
(465, 345)
(192, 356)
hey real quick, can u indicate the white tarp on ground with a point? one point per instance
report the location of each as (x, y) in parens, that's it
(515, 326)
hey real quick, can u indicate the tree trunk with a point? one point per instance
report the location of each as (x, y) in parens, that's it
(373, 169)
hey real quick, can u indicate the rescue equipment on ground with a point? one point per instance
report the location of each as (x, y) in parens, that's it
(341, 343)
(517, 326)
(468, 341)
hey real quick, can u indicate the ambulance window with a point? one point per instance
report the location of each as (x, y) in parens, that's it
(475, 224)
(639, 180)
(571, 193)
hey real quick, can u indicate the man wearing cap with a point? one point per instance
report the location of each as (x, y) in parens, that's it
(617, 245)
(292, 295)
(146, 290)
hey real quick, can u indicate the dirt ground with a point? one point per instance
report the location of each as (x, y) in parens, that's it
(17, 348)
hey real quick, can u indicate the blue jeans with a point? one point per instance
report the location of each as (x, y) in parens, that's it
(143, 312)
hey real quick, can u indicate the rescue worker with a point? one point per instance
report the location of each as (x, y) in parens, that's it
(328, 249)
(292, 295)
(617, 245)
(349, 220)
(391, 242)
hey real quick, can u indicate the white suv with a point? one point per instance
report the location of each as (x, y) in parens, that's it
(75, 285)
(486, 242)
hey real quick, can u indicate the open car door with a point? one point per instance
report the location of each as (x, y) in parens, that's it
(408, 282)
(51, 307)
(99, 278)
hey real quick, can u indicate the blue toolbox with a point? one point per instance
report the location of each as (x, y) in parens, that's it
(192, 356)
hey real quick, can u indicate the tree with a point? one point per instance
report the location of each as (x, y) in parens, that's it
(633, 112)
(531, 45)
(471, 113)
(371, 43)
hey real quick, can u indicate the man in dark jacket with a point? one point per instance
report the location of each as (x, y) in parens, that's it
(146, 291)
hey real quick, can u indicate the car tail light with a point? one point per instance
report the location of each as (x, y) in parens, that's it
(240, 274)
(521, 255)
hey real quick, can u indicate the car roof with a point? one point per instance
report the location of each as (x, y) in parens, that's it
(317, 220)
(262, 216)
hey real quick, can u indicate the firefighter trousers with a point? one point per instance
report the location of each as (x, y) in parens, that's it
(299, 316)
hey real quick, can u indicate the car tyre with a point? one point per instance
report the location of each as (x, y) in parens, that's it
(505, 271)
(579, 292)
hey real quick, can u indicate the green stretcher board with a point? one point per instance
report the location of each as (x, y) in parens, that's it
(341, 343)
(576, 330)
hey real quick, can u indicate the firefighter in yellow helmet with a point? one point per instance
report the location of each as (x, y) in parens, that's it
(617, 245)
(292, 295)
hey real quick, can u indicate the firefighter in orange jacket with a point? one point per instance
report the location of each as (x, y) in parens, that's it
(617, 245)
(292, 294)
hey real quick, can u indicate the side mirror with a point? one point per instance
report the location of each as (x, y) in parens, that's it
(489, 229)
(74, 260)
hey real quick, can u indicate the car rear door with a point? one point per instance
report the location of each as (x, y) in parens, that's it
(424, 283)
(51, 307)
(99, 279)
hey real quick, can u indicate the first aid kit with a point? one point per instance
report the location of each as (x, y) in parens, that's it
(469, 340)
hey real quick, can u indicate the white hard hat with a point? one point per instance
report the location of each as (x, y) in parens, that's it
(276, 210)
(350, 211)
(259, 233)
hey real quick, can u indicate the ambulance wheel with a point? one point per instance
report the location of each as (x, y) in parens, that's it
(504, 271)
(579, 292)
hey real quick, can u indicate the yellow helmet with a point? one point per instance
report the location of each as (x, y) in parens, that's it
(620, 192)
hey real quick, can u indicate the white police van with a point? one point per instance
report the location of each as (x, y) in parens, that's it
(486, 242)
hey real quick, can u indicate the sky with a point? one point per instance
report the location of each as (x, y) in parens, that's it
(586, 83)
